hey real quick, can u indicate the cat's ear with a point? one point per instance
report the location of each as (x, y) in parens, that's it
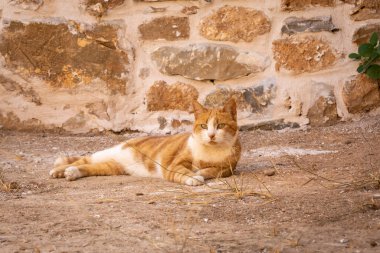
(230, 107)
(198, 108)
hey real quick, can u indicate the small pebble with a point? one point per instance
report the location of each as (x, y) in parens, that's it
(139, 194)
(13, 185)
(269, 172)
(343, 240)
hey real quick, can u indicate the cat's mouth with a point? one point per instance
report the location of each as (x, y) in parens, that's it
(212, 143)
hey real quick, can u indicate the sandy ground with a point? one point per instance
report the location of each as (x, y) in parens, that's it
(323, 197)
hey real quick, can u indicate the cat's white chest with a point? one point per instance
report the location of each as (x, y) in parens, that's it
(208, 154)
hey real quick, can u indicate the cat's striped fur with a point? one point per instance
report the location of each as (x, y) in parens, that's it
(212, 150)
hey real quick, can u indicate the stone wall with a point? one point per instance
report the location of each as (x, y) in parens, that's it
(94, 65)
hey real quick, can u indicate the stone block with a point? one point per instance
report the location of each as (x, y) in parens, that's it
(162, 97)
(165, 28)
(295, 5)
(303, 55)
(208, 61)
(253, 99)
(231, 23)
(365, 9)
(323, 112)
(361, 94)
(66, 54)
(99, 8)
(27, 4)
(293, 25)
(363, 34)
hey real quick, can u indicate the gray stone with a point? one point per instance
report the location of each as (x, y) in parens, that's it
(253, 99)
(315, 24)
(162, 121)
(259, 97)
(208, 61)
(270, 125)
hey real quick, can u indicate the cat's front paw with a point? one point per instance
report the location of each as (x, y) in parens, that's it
(72, 173)
(57, 173)
(195, 180)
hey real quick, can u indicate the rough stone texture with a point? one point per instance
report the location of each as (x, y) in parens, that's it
(190, 10)
(234, 24)
(98, 109)
(363, 34)
(167, 28)
(100, 7)
(361, 94)
(178, 123)
(12, 122)
(159, 0)
(294, 25)
(323, 112)
(66, 55)
(253, 99)
(27, 4)
(294, 5)
(162, 97)
(76, 122)
(220, 96)
(18, 90)
(269, 125)
(208, 62)
(152, 9)
(302, 55)
(365, 9)
(144, 73)
(162, 121)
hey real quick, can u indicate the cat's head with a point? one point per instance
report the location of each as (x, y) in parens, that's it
(217, 126)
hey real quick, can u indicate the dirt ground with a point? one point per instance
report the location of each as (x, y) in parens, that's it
(312, 190)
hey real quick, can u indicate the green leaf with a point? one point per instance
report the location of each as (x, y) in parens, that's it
(373, 71)
(354, 56)
(366, 49)
(374, 38)
(360, 69)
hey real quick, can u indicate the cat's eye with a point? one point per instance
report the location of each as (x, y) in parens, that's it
(220, 126)
(204, 126)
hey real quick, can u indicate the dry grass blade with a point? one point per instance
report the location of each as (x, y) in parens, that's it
(4, 186)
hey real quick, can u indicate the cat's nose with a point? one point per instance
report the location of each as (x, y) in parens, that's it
(211, 135)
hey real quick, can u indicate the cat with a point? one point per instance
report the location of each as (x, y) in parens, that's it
(212, 150)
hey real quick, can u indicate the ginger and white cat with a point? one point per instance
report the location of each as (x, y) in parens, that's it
(212, 150)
